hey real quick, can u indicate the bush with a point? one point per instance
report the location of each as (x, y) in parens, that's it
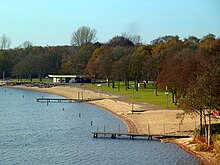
(216, 138)
(201, 146)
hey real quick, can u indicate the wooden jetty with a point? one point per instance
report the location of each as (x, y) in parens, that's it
(53, 100)
(115, 135)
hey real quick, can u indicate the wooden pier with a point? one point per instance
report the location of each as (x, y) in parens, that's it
(115, 135)
(52, 100)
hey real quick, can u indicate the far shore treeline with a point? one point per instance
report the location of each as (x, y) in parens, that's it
(188, 68)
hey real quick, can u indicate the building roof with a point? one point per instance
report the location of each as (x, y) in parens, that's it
(63, 76)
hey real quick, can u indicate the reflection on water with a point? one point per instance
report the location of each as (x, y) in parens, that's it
(33, 133)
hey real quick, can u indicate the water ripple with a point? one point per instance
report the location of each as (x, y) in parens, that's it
(33, 133)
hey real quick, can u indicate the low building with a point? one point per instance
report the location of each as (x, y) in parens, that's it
(66, 78)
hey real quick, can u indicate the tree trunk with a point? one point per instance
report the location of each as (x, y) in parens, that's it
(200, 117)
(128, 84)
(136, 85)
(173, 97)
(205, 126)
(118, 85)
(126, 87)
(113, 84)
(209, 131)
(155, 90)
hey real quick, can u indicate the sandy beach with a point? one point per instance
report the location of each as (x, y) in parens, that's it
(144, 118)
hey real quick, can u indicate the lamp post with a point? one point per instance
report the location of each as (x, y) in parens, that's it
(100, 91)
(101, 86)
(167, 93)
(132, 90)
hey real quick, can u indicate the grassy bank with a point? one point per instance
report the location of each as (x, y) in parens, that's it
(146, 95)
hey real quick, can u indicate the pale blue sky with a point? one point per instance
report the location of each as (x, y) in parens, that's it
(52, 22)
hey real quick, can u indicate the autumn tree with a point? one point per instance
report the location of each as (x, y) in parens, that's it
(177, 72)
(120, 41)
(136, 39)
(203, 93)
(120, 56)
(6, 62)
(93, 66)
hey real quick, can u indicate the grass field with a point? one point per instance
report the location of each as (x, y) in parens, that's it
(142, 95)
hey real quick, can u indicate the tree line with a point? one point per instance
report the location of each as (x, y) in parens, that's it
(188, 68)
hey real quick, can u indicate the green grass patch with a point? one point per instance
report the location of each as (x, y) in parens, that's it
(145, 95)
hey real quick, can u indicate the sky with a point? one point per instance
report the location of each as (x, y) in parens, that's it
(52, 22)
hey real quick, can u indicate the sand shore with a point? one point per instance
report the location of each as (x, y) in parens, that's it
(144, 119)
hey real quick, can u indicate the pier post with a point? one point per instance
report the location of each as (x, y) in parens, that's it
(82, 95)
(78, 95)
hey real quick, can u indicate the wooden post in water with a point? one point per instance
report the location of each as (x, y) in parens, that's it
(82, 95)
(78, 95)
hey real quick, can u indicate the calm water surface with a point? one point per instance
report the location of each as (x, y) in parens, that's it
(34, 133)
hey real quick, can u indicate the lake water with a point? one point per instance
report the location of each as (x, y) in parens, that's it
(32, 133)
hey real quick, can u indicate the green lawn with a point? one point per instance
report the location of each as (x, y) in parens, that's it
(142, 95)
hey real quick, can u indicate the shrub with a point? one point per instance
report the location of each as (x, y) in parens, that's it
(216, 137)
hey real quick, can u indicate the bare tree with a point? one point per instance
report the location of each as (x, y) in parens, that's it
(83, 36)
(5, 42)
